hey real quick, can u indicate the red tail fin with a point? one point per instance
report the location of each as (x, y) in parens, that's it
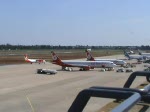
(26, 57)
(89, 56)
(55, 58)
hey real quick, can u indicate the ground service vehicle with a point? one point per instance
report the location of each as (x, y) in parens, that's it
(120, 70)
(129, 70)
(46, 71)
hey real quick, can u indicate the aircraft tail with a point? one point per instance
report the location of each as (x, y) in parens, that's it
(55, 58)
(139, 52)
(26, 57)
(89, 56)
(126, 55)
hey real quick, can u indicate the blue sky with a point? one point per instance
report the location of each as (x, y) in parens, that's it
(75, 22)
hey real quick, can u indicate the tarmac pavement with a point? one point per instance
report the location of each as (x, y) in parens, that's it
(23, 90)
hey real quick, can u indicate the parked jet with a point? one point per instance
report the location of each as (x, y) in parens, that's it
(143, 54)
(33, 60)
(138, 57)
(83, 65)
(115, 61)
(130, 52)
(146, 56)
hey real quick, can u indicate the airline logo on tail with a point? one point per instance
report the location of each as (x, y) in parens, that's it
(55, 58)
(26, 57)
(89, 56)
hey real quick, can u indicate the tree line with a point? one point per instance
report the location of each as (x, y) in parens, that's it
(37, 47)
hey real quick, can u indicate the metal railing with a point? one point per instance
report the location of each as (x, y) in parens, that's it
(131, 96)
(133, 76)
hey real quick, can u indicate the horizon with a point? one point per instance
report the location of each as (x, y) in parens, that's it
(8, 44)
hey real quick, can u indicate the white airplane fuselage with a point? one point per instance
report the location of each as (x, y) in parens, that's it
(115, 61)
(34, 60)
(145, 54)
(95, 64)
(138, 57)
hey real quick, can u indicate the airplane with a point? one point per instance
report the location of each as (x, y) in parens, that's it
(130, 52)
(130, 57)
(83, 65)
(146, 56)
(115, 61)
(143, 54)
(33, 60)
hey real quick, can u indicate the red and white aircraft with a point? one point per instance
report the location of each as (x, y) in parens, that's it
(115, 61)
(33, 60)
(83, 65)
